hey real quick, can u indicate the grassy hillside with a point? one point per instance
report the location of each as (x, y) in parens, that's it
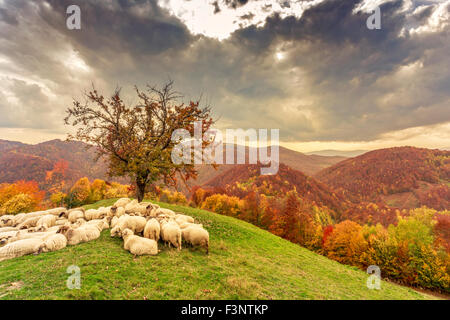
(244, 263)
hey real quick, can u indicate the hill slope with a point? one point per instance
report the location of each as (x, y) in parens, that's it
(239, 181)
(403, 177)
(244, 263)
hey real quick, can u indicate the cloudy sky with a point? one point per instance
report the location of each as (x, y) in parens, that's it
(311, 68)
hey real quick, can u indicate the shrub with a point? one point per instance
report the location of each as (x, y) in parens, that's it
(346, 243)
(223, 204)
(19, 203)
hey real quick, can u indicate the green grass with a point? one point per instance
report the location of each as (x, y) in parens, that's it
(244, 263)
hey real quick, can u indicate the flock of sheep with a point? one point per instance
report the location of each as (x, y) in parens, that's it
(141, 226)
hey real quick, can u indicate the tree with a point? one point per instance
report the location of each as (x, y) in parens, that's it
(80, 192)
(137, 140)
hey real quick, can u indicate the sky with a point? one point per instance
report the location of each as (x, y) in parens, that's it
(310, 68)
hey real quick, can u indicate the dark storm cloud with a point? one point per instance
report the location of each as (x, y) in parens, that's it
(323, 76)
(136, 26)
(7, 17)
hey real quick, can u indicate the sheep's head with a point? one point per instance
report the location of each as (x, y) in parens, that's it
(115, 232)
(42, 248)
(114, 209)
(6, 221)
(63, 230)
(127, 232)
(41, 229)
(62, 214)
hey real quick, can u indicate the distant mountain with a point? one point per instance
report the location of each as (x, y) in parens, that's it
(340, 153)
(296, 160)
(30, 162)
(20, 161)
(403, 177)
(8, 145)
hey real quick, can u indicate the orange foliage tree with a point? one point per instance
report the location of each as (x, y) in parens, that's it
(346, 243)
(21, 196)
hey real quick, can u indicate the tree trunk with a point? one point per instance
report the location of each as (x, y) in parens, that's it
(140, 189)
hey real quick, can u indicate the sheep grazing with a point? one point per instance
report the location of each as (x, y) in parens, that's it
(151, 210)
(181, 218)
(196, 237)
(46, 222)
(75, 215)
(54, 242)
(171, 234)
(114, 221)
(188, 224)
(20, 248)
(61, 222)
(6, 221)
(7, 229)
(130, 205)
(136, 224)
(93, 214)
(6, 236)
(122, 202)
(103, 223)
(138, 245)
(18, 219)
(164, 211)
(57, 211)
(117, 211)
(152, 230)
(29, 223)
(79, 235)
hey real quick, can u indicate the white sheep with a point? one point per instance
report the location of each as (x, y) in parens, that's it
(6, 236)
(29, 222)
(136, 224)
(165, 211)
(93, 214)
(152, 229)
(196, 236)
(75, 215)
(138, 245)
(181, 218)
(54, 242)
(80, 234)
(188, 224)
(61, 222)
(117, 211)
(20, 248)
(57, 211)
(25, 234)
(7, 229)
(130, 205)
(46, 222)
(18, 219)
(114, 221)
(103, 223)
(6, 221)
(171, 233)
(122, 202)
